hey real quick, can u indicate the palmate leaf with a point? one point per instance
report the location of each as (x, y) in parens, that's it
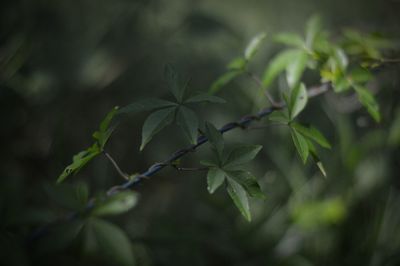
(297, 100)
(301, 145)
(108, 241)
(174, 82)
(367, 99)
(155, 123)
(239, 197)
(215, 178)
(115, 204)
(248, 182)
(214, 137)
(79, 160)
(187, 120)
(311, 133)
(241, 155)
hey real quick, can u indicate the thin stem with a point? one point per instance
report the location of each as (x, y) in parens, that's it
(114, 163)
(191, 168)
(257, 80)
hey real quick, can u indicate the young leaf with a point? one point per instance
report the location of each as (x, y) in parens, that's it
(215, 178)
(109, 241)
(277, 65)
(312, 133)
(214, 137)
(297, 100)
(301, 145)
(253, 46)
(241, 155)
(78, 161)
(290, 39)
(313, 28)
(279, 117)
(224, 80)
(82, 193)
(115, 204)
(155, 123)
(205, 97)
(248, 182)
(237, 64)
(239, 197)
(296, 67)
(187, 120)
(360, 75)
(105, 131)
(146, 104)
(368, 100)
(174, 82)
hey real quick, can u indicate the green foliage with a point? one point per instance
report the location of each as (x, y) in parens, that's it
(115, 204)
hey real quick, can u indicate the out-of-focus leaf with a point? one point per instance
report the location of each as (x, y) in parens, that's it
(297, 100)
(277, 65)
(318, 162)
(147, 104)
(253, 46)
(360, 75)
(290, 39)
(237, 64)
(224, 80)
(78, 161)
(209, 163)
(82, 192)
(65, 196)
(368, 100)
(155, 123)
(241, 155)
(108, 241)
(214, 137)
(205, 97)
(115, 204)
(312, 133)
(239, 197)
(248, 182)
(215, 178)
(279, 117)
(301, 145)
(174, 82)
(313, 28)
(105, 131)
(296, 67)
(187, 120)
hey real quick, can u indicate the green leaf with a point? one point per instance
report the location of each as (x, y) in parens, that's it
(318, 162)
(368, 100)
(105, 131)
(312, 133)
(209, 163)
(237, 64)
(147, 104)
(248, 182)
(279, 117)
(205, 97)
(239, 197)
(115, 204)
(253, 46)
(301, 145)
(215, 178)
(297, 100)
(277, 65)
(296, 67)
(290, 39)
(187, 120)
(155, 123)
(214, 137)
(108, 241)
(174, 82)
(313, 28)
(224, 80)
(241, 155)
(360, 75)
(78, 161)
(82, 193)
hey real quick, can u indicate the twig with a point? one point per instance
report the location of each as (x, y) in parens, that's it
(114, 163)
(257, 80)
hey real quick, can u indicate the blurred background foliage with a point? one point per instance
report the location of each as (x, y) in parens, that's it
(64, 64)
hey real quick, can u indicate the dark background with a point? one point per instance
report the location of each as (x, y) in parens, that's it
(65, 64)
